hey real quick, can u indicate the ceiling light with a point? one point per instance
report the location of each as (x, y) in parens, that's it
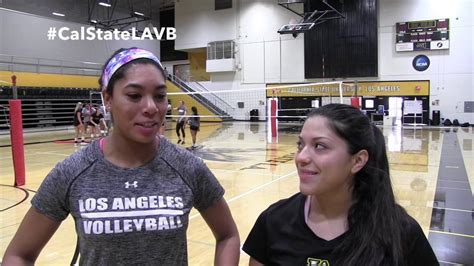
(58, 14)
(93, 21)
(106, 4)
(139, 14)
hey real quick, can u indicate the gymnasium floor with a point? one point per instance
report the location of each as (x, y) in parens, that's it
(432, 173)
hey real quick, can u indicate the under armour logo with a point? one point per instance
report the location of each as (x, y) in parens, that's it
(134, 184)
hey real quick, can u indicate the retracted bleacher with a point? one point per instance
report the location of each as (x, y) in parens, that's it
(45, 106)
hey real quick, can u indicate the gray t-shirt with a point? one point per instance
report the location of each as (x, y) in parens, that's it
(128, 216)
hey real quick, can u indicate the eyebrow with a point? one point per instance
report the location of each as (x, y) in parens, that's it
(314, 139)
(140, 87)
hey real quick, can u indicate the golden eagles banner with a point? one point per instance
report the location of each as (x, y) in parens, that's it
(364, 88)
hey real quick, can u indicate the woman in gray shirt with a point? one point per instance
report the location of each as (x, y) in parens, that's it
(131, 193)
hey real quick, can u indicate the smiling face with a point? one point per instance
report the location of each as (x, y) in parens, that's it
(323, 162)
(139, 103)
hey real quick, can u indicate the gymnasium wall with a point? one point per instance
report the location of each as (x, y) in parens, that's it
(25, 35)
(197, 65)
(2, 18)
(264, 56)
(197, 23)
(345, 47)
(451, 71)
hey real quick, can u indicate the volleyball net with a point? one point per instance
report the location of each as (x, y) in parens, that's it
(291, 102)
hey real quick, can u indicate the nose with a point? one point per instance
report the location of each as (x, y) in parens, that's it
(302, 156)
(150, 106)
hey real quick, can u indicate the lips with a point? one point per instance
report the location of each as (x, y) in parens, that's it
(147, 129)
(305, 174)
(147, 124)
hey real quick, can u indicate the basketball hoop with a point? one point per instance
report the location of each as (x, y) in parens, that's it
(295, 28)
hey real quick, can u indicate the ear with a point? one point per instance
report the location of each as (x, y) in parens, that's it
(107, 100)
(359, 160)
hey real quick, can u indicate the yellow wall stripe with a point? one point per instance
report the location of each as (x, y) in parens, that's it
(26, 79)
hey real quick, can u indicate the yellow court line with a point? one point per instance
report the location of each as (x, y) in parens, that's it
(450, 233)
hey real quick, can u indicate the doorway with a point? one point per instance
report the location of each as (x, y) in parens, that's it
(395, 109)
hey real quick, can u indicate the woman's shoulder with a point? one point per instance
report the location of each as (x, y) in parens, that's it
(410, 225)
(286, 206)
(175, 155)
(80, 159)
(417, 248)
(412, 230)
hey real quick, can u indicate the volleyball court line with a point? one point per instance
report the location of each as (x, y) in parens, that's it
(252, 190)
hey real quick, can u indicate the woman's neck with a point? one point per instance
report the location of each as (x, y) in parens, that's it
(327, 214)
(127, 154)
(333, 205)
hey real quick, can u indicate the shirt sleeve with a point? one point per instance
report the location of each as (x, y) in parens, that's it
(207, 189)
(50, 199)
(257, 241)
(420, 251)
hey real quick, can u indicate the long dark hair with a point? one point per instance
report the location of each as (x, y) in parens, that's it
(375, 220)
(120, 73)
(194, 110)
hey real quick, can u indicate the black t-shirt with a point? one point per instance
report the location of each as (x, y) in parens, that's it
(281, 236)
(96, 117)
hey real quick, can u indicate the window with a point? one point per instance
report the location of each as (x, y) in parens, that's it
(369, 104)
(228, 49)
(220, 50)
(222, 4)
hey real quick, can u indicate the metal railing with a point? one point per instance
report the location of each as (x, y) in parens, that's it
(204, 99)
(44, 65)
(212, 97)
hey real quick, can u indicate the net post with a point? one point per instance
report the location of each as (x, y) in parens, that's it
(272, 122)
(340, 93)
(16, 135)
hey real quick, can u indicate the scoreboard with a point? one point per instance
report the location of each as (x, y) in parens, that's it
(422, 35)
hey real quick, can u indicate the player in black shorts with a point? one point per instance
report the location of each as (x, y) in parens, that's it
(95, 123)
(78, 124)
(194, 124)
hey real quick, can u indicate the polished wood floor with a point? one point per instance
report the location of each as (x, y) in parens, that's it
(254, 174)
